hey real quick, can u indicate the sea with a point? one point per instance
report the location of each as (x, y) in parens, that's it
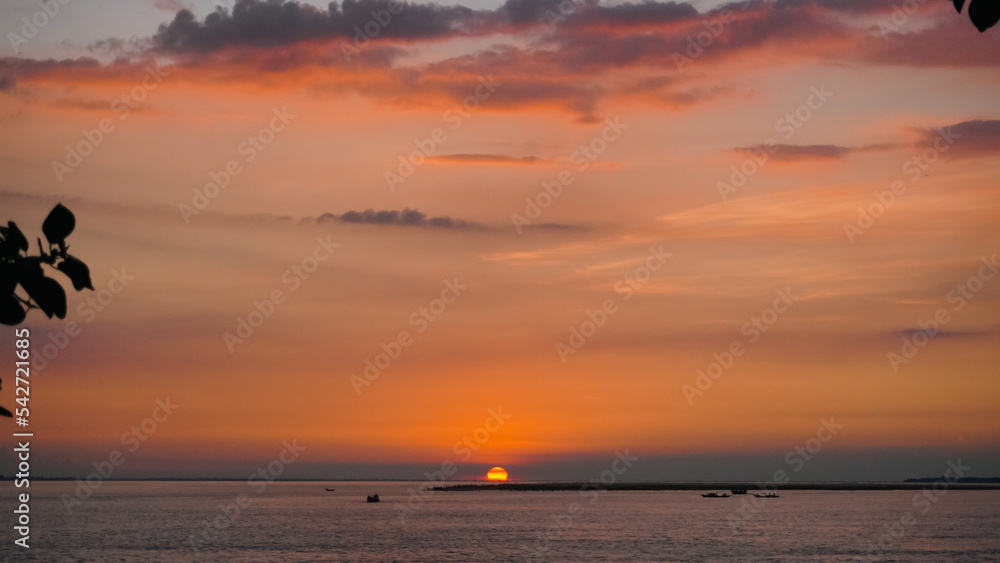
(168, 521)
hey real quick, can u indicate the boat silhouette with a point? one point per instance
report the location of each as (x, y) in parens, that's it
(715, 495)
(373, 498)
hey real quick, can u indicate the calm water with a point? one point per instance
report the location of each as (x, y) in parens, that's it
(154, 521)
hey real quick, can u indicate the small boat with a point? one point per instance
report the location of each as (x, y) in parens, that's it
(715, 495)
(768, 495)
(330, 490)
(373, 498)
(738, 491)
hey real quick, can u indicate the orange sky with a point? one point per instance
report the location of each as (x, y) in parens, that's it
(328, 132)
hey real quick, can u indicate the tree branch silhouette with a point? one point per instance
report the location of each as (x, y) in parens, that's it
(18, 269)
(983, 13)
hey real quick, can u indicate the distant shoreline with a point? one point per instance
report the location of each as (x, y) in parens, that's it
(910, 485)
(965, 484)
(226, 479)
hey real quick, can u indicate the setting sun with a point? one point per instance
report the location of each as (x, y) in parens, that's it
(497, 474)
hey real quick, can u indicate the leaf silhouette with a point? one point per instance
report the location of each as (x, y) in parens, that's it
(12, 313)
(984, 14)
(8, 277)
(45, 292)
(15, 235)
(77, 271)
(13, 241)
(49, 296)
(8, 250)
(29, 268)
(59, 224)
(5, 412)
(959, 4)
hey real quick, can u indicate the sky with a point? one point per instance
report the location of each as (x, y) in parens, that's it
(724, 239)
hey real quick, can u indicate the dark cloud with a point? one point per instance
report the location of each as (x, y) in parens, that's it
(590, 12)
(121, 48)
(854, 6)
(970, 138)
(11, 68)
(270, 23)
(405, 218)
(532, 11)
(640, 13)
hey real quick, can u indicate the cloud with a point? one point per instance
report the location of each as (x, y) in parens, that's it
(405, 218)
(946, 41)
(796, 153)
(825, 30)
(498, 159)
(554, 227)
(121, 48)
(588, 34)
(591, 12)
(257, 23)
(172, 6)
(531, 11)
(260, 23)
(12, 68)
(640, 13)
(971, 138)
(573, 66)
(956, 334)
